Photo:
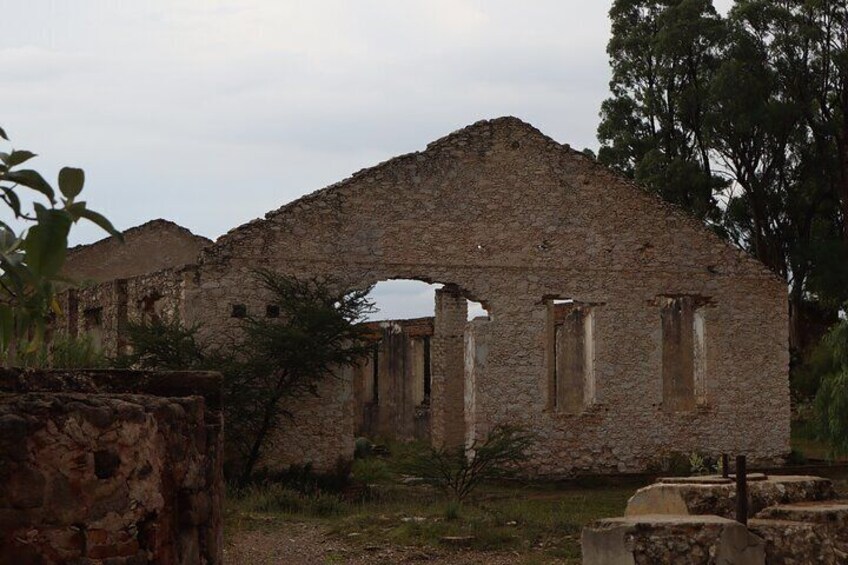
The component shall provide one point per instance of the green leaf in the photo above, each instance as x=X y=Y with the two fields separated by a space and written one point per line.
x=8 y=239
x=33 y=180
x=12 y=200
x=101 y=221
x=46 y=243
x=18 y=157
x=3 y=134
x=71 y=181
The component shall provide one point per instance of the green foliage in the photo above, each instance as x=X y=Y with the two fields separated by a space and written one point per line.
x=672 y=463
x=700 y=464
x=452 y=510
x=165 y=344
x=372 y=471
x=64 y=352
x=831 y=403
x=458 y=471
x=749 y=112
x=270 y=360
x=304 y=479
x=362 y=448
x=31 y=258
x=277 y=498
x=654 y=126
x=317 y=333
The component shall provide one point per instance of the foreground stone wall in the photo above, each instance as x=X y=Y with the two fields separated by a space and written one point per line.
x=110 y=467
x=506 y=216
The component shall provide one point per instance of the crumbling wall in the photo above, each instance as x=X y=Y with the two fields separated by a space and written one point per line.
x=103 y=310
x=150 y=247
x=113 y=467
x=512 y=218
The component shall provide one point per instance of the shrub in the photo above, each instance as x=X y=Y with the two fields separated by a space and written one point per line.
x=371 y=471
x=831 y=403
x=458 y=471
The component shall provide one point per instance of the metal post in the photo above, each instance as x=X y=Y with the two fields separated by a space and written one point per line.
x=725 y=466
x=741 y=491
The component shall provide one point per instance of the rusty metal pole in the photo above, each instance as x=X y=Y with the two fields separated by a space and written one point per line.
x=725 y=466
x=741 y=491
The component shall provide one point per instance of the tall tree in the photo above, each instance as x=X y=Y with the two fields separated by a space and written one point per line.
x=757 y=99
x=774 y=107
x=654 y=126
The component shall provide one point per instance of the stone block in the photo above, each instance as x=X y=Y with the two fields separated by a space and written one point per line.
x=654 y=539
x=707 y=496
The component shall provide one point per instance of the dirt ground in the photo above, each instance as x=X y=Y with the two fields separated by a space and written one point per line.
x=295 y=543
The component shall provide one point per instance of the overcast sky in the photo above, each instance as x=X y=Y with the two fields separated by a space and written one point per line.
x=210 y=113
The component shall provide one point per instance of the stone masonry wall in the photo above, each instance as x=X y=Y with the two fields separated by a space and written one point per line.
x=513 y=219
x=150 y=247
x=114 y=467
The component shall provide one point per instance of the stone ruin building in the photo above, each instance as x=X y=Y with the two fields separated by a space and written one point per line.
x=619 y=328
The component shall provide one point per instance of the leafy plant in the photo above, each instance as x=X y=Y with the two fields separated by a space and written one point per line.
x=316 y=334
x=831 y=403
x=164 y=344
x=31 y=257
x=458 y=471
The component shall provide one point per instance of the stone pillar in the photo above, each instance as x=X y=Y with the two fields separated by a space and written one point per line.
x=390 y=382
x=447 y=403
x=476 y=353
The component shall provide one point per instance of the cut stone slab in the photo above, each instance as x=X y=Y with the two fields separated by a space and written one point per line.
x=653 y=539
x=830 y=517
x=709 y=479
x=698 y=498
x=792 y=543
x=829 y=512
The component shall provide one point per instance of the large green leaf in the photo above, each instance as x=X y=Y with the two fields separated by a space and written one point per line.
x=12 y=200
x=101 y=221
x=3 y=134
x=71 y=181
x=33 y=180
x=46 y=243
x=18 y=157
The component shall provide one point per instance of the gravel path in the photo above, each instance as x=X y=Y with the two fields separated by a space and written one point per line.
x=307 y=544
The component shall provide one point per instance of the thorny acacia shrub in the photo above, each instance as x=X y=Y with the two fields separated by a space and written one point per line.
x=458 y=470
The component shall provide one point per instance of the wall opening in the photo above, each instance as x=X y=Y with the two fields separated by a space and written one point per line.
x=570 y=351
x=394 y=387
x=683 y=353
x=93 y=325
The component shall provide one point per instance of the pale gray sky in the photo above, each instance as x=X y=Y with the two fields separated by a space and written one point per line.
x=210 y=113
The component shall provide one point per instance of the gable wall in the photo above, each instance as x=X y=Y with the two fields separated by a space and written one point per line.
x=148 y=248
x=512 y=217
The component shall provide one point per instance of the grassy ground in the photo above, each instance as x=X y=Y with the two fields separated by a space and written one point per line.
x=499 y=523
x=536 y=523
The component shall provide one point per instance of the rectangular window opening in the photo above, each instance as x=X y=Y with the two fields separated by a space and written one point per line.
x=683 y=353
x=571 y=356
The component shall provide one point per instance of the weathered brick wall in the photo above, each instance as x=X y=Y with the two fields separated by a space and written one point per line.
x=113 y=467
x=513 y=218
